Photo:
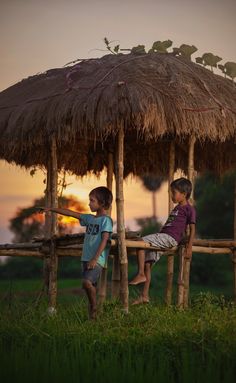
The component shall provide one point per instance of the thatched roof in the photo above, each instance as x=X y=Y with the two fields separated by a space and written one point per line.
x=157 y=97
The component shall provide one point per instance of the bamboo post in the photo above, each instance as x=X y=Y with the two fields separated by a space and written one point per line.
x=187 y=259
x=180 y=298
x=234 y=252
x=53 y=229
x=115 y=285
x=124 y=292
x=170 y=258
x=103 y=280
x=47 y=227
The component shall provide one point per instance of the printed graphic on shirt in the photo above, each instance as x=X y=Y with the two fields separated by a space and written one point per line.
x=171 y=217
x=92 y=229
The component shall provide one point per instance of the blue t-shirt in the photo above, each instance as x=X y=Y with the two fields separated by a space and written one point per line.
x=95 y=226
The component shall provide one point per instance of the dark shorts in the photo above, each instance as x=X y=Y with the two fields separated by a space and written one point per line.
x=92 y=275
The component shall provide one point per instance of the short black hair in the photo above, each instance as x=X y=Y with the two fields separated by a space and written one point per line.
x=103 y=195
x=183 y=185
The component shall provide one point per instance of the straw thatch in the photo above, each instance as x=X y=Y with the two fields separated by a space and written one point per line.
x=157 y=98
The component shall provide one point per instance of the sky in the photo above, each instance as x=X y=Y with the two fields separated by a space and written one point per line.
x=36 y=35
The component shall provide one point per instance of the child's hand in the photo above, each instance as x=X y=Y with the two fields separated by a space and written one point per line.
x=188 y=252
x=92 y=264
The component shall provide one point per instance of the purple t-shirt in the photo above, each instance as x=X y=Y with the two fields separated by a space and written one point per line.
x=179 y=218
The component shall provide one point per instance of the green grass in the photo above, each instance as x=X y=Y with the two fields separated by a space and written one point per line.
x=152 y=343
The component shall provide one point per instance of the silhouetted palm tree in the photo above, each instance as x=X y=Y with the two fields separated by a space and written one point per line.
x=153 y=184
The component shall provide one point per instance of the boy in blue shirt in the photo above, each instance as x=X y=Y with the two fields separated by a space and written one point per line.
x=96 y=242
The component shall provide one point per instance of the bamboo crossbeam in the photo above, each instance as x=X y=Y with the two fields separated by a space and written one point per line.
x=17 y=246
x=131 y=238
x=211 y=250
x=20 y=253
x=74 y=250
x=214 y=243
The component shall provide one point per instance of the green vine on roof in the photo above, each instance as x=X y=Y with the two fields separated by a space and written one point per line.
x=185 y=50
x=160 y=46
x=208 y=59
x=229 y=69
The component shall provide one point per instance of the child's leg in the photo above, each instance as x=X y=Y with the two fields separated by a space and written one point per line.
x=148 y=274
x=90 y=279
x=92 y=297
x=144 y=297
x=140 y=277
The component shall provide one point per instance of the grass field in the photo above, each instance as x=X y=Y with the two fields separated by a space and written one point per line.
x=152 y=343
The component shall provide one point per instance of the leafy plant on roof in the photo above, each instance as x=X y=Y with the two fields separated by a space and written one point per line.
x=208 y=59
x=139 y=49
x=229 y=69
x=160 y=46
x=185 y=51
x=114 y=50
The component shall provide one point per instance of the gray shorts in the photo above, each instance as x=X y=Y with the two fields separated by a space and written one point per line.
x=161 y=240
x=92 y=275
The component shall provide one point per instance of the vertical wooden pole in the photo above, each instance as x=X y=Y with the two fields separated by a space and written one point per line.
x=170 y=258
x=115 y=284
x=191 y=171
x=187 y=259
x=180 y=297
x=47 y=227
x=110 y=171
x=103 y=280
x=234 y=252
x=54 y=202
x=124 y=292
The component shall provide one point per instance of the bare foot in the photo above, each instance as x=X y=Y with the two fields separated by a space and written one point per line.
x=138 y=279
x=140 y=300
x=92 y=312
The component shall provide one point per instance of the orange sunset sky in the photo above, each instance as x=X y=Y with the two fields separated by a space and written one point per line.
x=36 y=35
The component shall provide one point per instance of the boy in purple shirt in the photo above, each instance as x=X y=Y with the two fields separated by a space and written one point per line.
x=170 y=235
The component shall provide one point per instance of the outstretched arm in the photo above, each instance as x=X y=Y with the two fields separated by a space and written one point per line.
x=67 y=212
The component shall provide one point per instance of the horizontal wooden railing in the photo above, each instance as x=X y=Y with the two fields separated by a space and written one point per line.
x=71 y=245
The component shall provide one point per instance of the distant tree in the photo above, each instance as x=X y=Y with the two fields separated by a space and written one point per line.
x=28 y=223
x=153 y=184
x=148 y=226
x=215 y=206
x=215 y=217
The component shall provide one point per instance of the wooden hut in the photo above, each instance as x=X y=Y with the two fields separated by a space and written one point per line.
x=140 y=114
